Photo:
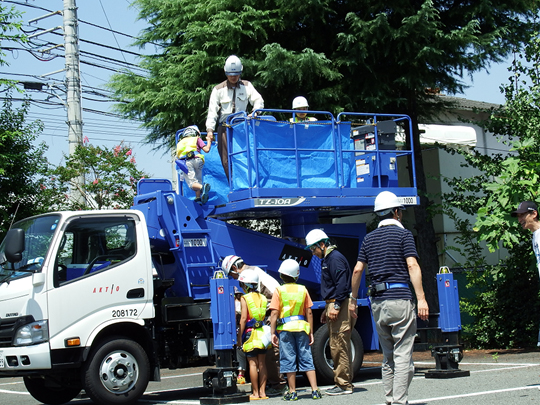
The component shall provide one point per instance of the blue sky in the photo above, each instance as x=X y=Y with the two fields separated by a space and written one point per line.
x=485 y=85
x=100 y=128
x=109 y=131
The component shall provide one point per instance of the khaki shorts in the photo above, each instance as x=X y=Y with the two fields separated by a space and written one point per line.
x=194 y=174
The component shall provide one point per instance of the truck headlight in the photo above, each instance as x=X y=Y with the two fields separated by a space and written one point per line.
x=31 y=334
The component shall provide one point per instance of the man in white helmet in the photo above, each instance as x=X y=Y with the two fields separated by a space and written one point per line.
x=335 y=290
x=233 y=265
x=229 y=97
x=391 y=255
x=301 y=104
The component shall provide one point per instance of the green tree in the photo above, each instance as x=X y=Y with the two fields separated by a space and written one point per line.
x=111 y=177
x=356 y=55
x=503 y=181
x=10 y=29
x=23 y=167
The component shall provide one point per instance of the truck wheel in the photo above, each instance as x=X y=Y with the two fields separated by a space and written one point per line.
x=51 y=394
x=323 y=359
x=117 y=372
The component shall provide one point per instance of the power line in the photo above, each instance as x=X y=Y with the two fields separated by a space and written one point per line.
x=103 y=45
x=108 y=22
x=82 y=21
x=27 y=5
x=112 y=60
x=90 y=54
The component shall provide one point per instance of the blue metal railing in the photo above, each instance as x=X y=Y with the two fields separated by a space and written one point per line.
x=342 y=149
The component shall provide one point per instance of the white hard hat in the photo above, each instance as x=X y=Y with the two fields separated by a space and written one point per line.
x=233 y=66
x=299 y=102
x=314 y=236
x=385 y=202
x=248 y=277
x=290 y=268
x=228 y=262
x=192 y=130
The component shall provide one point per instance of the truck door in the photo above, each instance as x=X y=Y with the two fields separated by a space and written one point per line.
x=101 y=275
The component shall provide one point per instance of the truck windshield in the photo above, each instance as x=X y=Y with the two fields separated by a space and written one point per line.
x=38 y=232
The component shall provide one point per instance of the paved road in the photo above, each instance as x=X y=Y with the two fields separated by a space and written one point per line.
x=496 y=379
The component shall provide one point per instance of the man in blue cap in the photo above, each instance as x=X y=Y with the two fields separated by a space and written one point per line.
x=527 y=215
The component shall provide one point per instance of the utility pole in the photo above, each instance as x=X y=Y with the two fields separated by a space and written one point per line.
x=74 y=91
x=72 y=83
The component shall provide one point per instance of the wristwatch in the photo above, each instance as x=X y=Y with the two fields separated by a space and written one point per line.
x=336 y=305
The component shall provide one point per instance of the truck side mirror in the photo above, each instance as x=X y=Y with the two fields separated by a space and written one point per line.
x=14 y=246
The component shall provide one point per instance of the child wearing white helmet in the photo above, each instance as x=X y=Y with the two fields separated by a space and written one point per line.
x=252 y=334
x=191 y=161
x=292 y=318
x=300 y=103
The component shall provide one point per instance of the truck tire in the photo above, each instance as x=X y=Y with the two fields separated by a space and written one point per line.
x=116 y=372
x=49 y=393
x=323 y=359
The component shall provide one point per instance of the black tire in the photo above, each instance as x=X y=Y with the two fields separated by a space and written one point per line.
x=122 y=384
x=324 y=366
x=49 y=392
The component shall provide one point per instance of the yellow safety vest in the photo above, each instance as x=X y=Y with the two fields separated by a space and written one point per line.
x=293 y=297
x=256 y=304
x=186 y=145
x=306 y=119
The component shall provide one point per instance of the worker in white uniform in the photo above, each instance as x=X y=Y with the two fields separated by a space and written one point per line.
x=229 y=97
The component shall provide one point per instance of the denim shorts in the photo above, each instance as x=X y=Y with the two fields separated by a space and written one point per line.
x=294 y=352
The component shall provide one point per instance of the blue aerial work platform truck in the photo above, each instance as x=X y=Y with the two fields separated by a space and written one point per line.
x=101 y=300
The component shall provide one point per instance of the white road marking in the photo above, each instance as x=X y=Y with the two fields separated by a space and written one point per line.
x=14 y=392
x=12 y=383
x=171 y=402
x=473 y=394
x=505 y=368
x=181 y=375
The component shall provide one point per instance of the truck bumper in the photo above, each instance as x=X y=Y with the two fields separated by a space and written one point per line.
x=24 y=360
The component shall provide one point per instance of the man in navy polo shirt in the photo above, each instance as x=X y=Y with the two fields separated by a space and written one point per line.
x=391 y=255
x=335 y=290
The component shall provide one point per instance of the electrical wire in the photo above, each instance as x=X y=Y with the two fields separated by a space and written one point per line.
x=108 y=22
x=107 y=131
x=91 y=55
x=79 y=20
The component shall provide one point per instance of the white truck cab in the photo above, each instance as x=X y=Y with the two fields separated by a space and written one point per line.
x=71 y=285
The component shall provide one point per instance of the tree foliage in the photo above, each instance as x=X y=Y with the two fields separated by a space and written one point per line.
x=23 y=168
x=110 y=177
x=10 y=29
x=511 y=286
x=349 y=55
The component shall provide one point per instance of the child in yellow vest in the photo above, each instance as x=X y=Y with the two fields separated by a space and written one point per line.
x=253 y=334
x=292 y=318
x=240 y=355
x=191 y=161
